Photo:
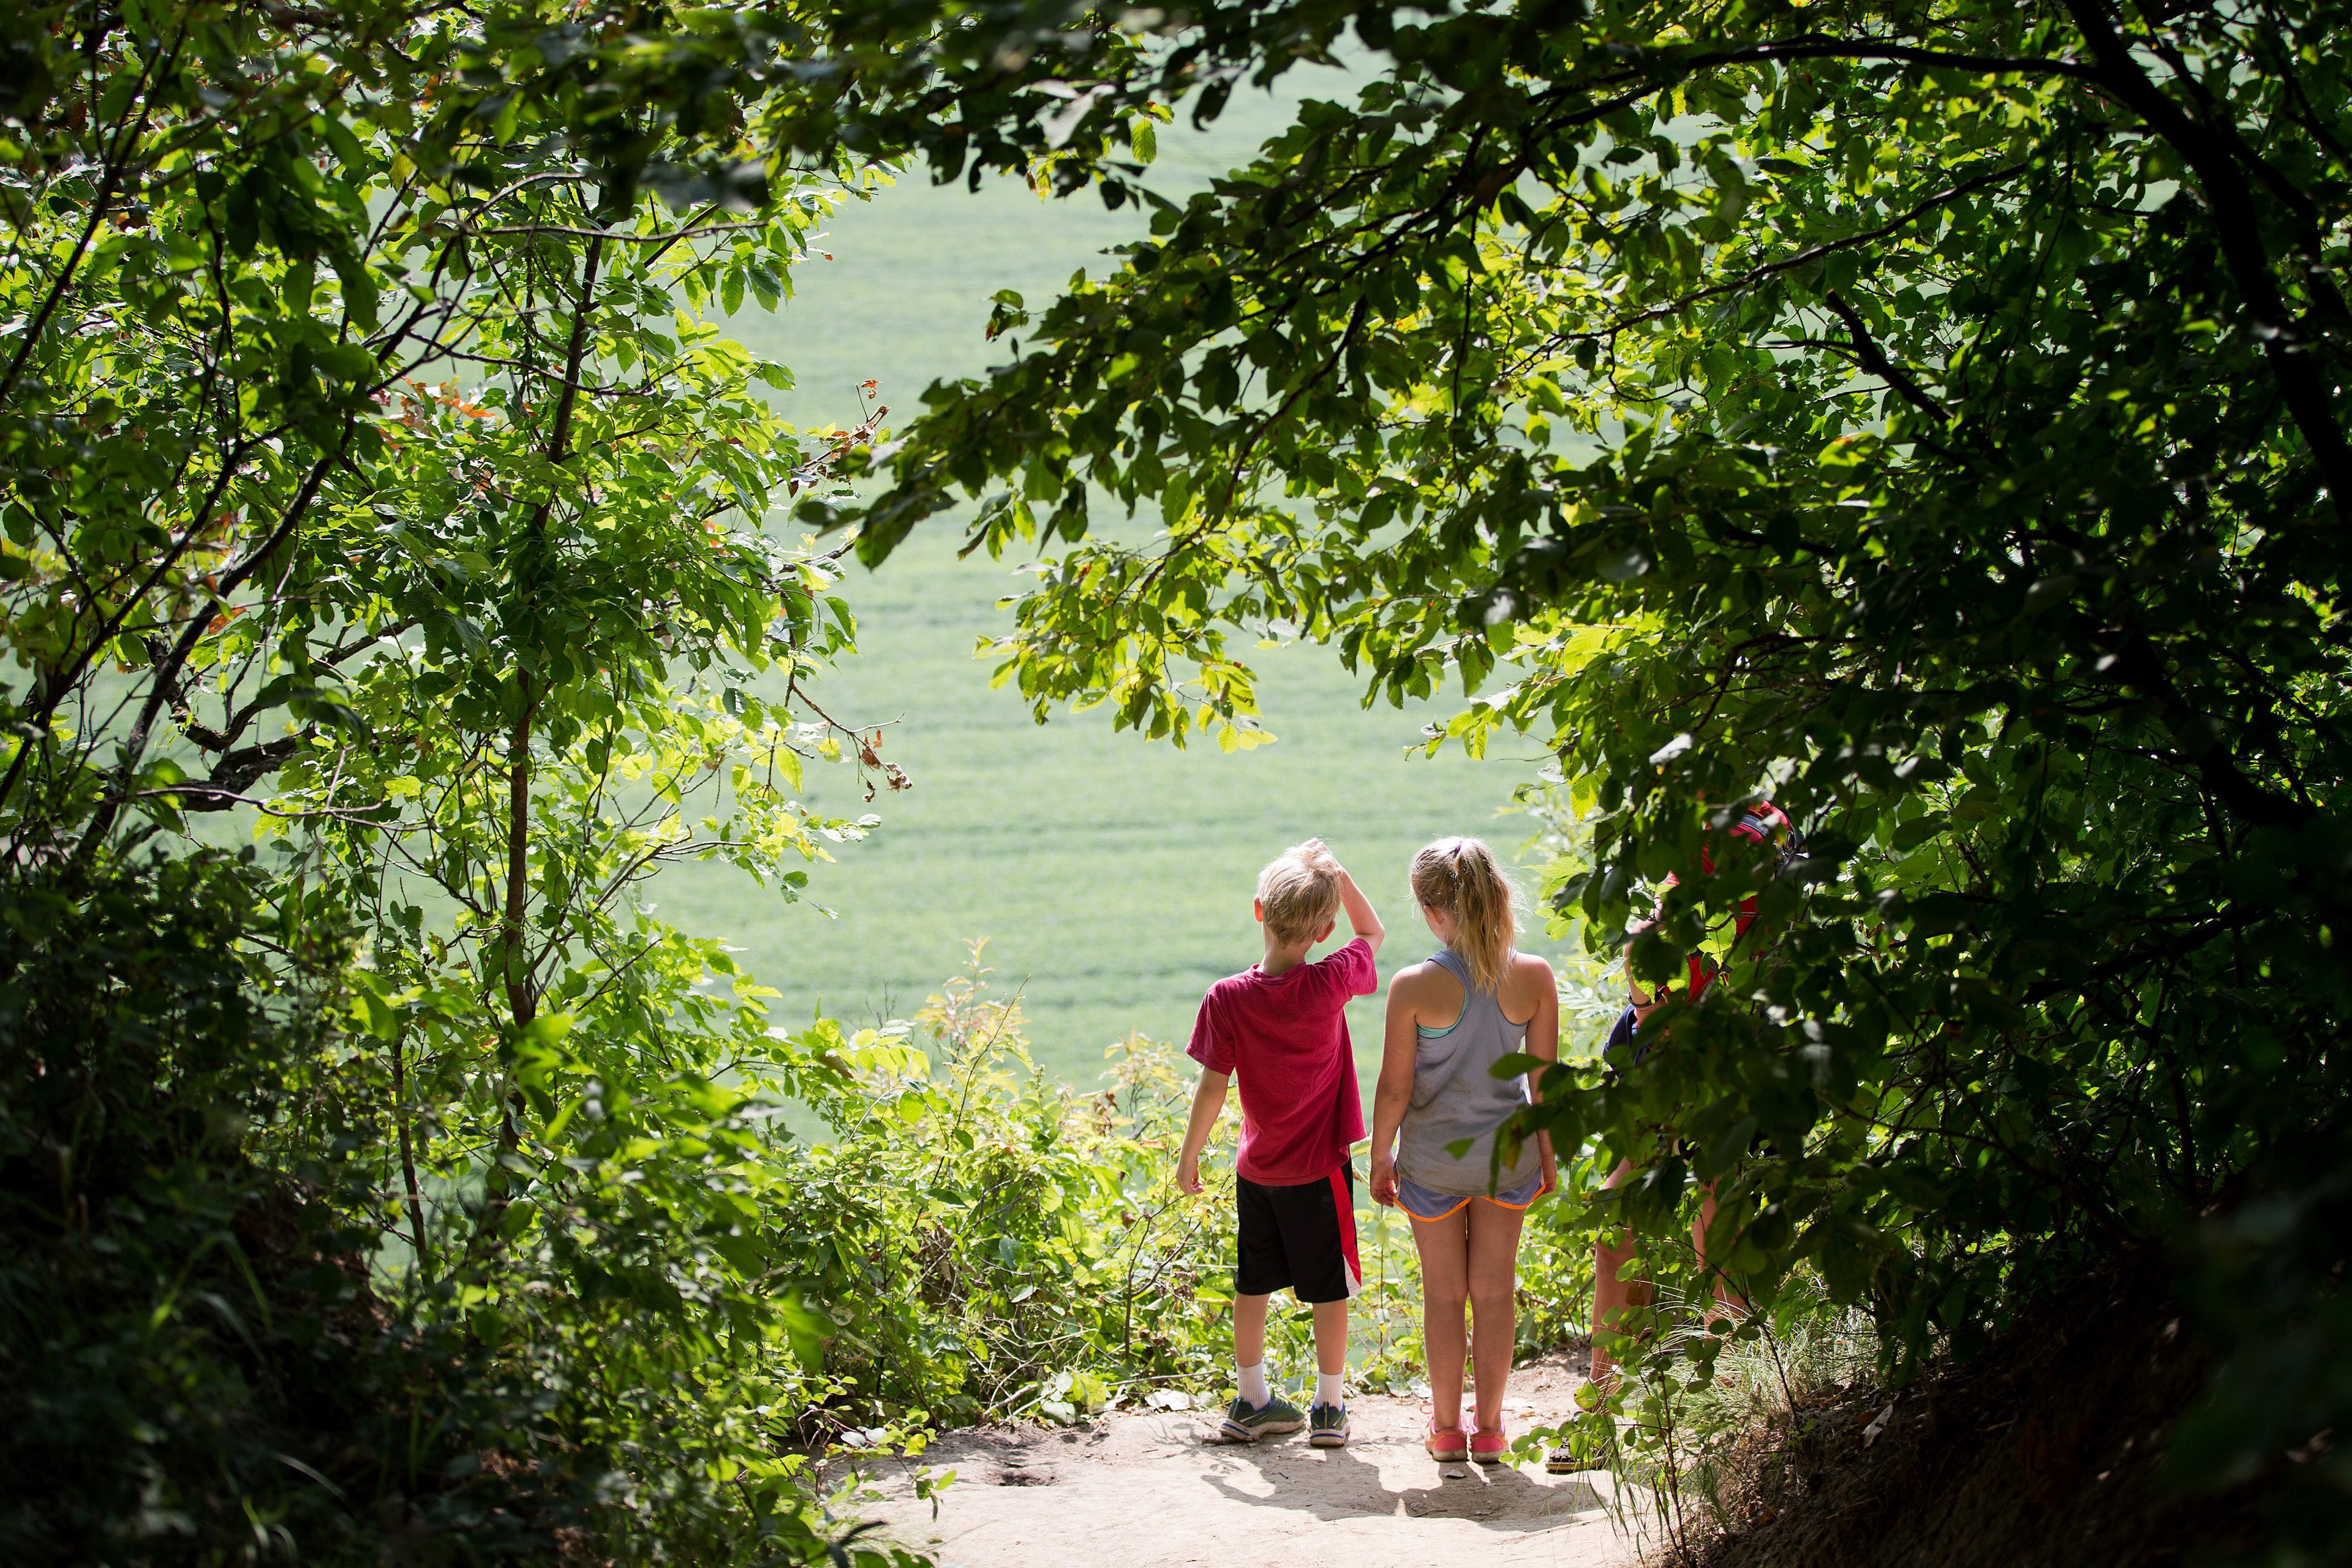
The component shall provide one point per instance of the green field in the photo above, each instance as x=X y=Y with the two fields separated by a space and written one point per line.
x=1112 y=876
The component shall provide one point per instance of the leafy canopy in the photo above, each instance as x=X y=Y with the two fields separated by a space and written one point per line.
x=1933 y=420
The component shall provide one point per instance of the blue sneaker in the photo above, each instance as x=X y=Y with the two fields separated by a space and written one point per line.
x=1327 y=1426
x=1245 y=1423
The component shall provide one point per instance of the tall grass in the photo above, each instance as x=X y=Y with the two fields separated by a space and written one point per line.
x=1708 y=1429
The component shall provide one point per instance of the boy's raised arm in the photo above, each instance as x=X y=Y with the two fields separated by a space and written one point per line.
x=1360 y=918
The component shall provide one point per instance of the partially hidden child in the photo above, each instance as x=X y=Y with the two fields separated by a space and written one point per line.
x=1278 y=1030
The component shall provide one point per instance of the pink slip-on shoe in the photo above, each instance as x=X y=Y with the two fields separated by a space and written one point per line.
x=1490 y=1445
x=1445 y=1443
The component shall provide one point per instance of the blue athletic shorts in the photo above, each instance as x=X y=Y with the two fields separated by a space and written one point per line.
x=1422 y=1203
x=1623 y=1050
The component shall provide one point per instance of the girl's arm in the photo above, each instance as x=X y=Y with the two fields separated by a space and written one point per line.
x=1208 y=1101
x=1400 y=1042
x=1543 y=1040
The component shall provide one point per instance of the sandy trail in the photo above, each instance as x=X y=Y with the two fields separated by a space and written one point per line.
x=1154 y=1490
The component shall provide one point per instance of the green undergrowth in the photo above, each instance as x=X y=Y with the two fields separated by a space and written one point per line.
x=1708 y=1394
x=203 y=1358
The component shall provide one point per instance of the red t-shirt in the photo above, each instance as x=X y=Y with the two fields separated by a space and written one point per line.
x=1285 y=1038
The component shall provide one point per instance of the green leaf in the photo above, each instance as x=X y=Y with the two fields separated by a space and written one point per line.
x=1516 y=1065
x=1910 y=834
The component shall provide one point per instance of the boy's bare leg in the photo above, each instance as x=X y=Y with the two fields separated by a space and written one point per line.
x=1612 y=1294
x=1331 y=1336
x=1249 y=1331
x=1494 y=1276
x=1445 y=1247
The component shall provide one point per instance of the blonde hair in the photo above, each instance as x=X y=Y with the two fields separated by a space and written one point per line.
x=1299 y=891
x=1461 y=877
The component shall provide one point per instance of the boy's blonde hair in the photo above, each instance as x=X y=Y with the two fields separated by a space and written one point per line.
x=1462 y=877
x=1299 y=891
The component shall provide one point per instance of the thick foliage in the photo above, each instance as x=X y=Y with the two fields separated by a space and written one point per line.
x=195 y=1365
x=1933 y=420
x=202 y=1362
x=464 y=656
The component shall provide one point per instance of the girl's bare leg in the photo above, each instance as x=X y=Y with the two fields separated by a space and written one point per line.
x=1445 y=1250
x=1612 y=1294
x=1723 y=1291
x=1494 y=1279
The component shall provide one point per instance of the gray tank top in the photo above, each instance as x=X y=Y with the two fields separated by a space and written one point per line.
x=1454 y=1098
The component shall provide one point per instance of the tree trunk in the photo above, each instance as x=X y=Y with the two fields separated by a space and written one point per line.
x=415 y=1198
x=522 y=1002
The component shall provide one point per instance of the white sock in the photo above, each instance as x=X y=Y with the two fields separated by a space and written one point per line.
x=1254 y=1390
x=1328 y=1390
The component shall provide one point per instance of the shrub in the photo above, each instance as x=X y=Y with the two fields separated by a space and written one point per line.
x=205 y=1357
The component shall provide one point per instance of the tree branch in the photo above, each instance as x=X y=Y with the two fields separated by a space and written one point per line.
x=2236 y=226
x=1873 y=359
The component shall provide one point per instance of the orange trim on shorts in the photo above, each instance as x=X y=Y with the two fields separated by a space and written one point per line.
x=1489 y=1197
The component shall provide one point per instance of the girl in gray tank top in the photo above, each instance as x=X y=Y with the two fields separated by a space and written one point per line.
x=1450 y=1020
x=1456 y=1096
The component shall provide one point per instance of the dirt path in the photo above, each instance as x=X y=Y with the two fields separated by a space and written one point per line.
x=1154 y=1490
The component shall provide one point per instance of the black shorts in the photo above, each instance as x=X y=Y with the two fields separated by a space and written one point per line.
x=1302 y=1236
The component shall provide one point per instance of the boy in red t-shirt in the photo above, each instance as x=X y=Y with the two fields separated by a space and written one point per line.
x=1281 y=1027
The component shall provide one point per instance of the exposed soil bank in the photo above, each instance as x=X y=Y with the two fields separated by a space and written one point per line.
x=2044 y=1450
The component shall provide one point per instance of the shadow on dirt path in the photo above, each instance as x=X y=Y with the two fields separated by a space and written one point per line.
x=1157 y=1490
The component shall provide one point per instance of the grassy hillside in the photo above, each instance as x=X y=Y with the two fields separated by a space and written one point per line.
x=1112 y=876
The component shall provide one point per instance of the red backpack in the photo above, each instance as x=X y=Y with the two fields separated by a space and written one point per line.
x=1761 y=823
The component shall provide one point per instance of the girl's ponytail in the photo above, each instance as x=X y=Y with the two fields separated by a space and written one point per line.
x=1462 y=877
